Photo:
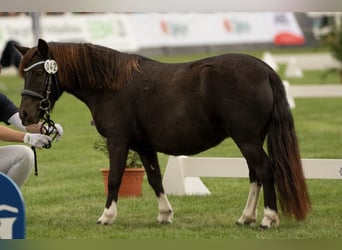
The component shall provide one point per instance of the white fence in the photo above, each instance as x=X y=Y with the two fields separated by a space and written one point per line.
x=315 y=90
x=296 y=63
x=311 y=61
x=182 y=173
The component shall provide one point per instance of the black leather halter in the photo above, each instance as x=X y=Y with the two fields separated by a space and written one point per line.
x=48 y=126
x=51 y=68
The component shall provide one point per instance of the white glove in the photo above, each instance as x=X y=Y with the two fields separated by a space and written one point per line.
x=37 y=140
x=58 y=130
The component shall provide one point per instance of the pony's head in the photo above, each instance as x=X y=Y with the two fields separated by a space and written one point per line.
x=80 y=66
x=41 y=89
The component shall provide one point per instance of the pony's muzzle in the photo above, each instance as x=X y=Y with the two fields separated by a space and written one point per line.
x=26 y=119
x=23 y=116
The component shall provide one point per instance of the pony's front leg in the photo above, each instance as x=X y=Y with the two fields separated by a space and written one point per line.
x=151 y=164
x=117 y=158
x=109 y=215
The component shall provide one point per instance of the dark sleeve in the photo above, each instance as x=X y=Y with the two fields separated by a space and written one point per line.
x=7 y=109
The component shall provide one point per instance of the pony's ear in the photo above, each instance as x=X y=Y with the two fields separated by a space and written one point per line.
x=43 y=48
x=22 y=50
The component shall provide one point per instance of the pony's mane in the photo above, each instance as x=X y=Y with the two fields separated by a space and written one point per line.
x=87 y=64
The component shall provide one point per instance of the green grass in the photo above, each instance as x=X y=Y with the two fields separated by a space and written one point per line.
x=67 y=197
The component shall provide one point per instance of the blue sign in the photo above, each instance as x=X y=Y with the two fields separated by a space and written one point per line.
x=12 y=210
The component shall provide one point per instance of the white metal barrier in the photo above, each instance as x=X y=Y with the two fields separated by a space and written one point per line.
x=182 y=173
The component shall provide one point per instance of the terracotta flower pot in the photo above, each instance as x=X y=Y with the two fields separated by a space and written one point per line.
x=131 y=184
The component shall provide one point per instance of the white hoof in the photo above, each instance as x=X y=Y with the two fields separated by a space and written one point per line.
x=165 y=210
x=165 y=217
x=109 y=215
x=246 y=220
x=270 y=219
x=249 y=214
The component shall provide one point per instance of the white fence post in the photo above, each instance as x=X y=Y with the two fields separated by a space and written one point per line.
x=175 y=181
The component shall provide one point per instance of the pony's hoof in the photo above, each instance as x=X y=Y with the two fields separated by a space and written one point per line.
x=165 y=222
x=246 y=223
x=99 y=222
x=270 y=219
x=274 y=224
x=109 y=215
x=165 y=217
x=103 y=220
x=264 y=227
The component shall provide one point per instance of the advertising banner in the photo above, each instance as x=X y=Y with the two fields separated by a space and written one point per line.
x=193 y=29
x=133 y=31
x=104 y=29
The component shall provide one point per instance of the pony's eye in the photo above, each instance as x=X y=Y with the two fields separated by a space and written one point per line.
x=39 y=72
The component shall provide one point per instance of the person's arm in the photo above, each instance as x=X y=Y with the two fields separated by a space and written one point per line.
x=35 y=139
x=16 y=121
x=11 y=135
x=33 y=128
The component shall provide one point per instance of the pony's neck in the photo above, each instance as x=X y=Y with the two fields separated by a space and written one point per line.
x=94 y=67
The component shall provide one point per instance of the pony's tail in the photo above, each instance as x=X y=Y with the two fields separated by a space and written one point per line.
x=284 y=153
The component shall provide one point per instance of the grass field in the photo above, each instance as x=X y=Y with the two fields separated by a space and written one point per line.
x=67 y=197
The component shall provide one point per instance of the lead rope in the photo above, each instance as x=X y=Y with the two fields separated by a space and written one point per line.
x=35 y=161
x=47 y=128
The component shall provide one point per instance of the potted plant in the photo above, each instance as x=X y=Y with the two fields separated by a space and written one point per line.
x=334 y=42
x=131 y=183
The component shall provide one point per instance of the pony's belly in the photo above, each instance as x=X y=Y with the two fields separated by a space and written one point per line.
x=188 y=145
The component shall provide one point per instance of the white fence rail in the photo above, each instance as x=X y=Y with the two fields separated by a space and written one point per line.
x=182 y=173
x=310 y=61
x=310 y=91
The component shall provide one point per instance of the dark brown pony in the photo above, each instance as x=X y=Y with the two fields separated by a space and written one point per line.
x=178 y=109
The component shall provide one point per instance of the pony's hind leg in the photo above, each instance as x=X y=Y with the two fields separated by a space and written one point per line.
x=271 y=217
x=249 y=214
x=259 y=163
x=154 y=178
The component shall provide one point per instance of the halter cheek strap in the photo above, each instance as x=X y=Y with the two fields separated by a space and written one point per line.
x=48 y=126
x=50 y=67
